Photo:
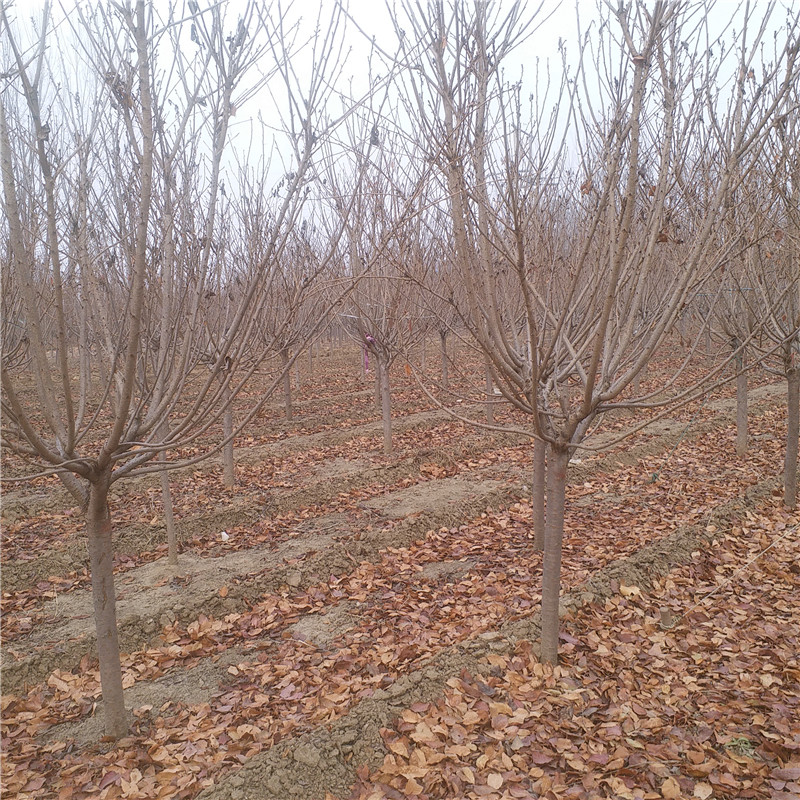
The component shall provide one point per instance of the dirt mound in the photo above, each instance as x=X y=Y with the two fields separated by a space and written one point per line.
x=326 y=547
x=429 y=496
x=321 y=629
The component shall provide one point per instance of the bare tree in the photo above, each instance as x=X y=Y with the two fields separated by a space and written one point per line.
x=774 y=272
x=382 y=241
x=600 y=202
x=127 y=275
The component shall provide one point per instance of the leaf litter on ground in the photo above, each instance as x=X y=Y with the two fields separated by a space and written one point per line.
x=286 y=686
x=690 y=689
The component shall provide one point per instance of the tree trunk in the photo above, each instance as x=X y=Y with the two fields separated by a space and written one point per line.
x=741 y=406
x=378 y=395
x=557 y=461
x=489 y=395
x=445 y=374
x=792 y=435
x=386 y=406
x=637 y=380
x=101 y=559
x=311 y=358
x=169 y=516
x=166 y=499
x=539 y=482
x=287 y=383
x=228 y=466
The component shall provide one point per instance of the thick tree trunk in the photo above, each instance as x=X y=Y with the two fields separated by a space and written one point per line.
x=792 y=435
x=378 y=395
x=539 y=483
x=557 y=460
x=386 y=406
x=741 y=406
x=101 y=559
x=287 y=383
x=445 y=373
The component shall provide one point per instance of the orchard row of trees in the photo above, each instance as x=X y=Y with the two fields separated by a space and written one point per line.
x=564 y=222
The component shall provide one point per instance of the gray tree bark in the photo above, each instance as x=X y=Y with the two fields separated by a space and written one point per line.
x=287 y=383
x=386 y=405
x=489 y=395
x=166 y=499
x=445 y=373
x=741 y=406
x=228 y=464
x=538 y=493
x=101 y=559
x=557 y=461
x=792 y=435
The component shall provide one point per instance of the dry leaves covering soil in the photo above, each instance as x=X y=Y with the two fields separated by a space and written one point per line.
x=673 y=692
x=394 y=613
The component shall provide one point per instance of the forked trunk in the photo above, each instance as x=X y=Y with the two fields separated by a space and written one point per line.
x=386 y=406
x=101 y=560
x=557 y=461
x=539 y=483
x=792 y=435
x=741 y=406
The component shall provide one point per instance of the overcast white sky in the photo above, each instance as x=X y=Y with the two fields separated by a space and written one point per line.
x=558 y=22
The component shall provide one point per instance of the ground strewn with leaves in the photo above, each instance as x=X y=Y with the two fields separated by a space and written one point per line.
x=274 y=658
x=688 y=689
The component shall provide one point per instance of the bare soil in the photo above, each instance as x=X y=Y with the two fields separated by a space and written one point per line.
x=314 y=552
